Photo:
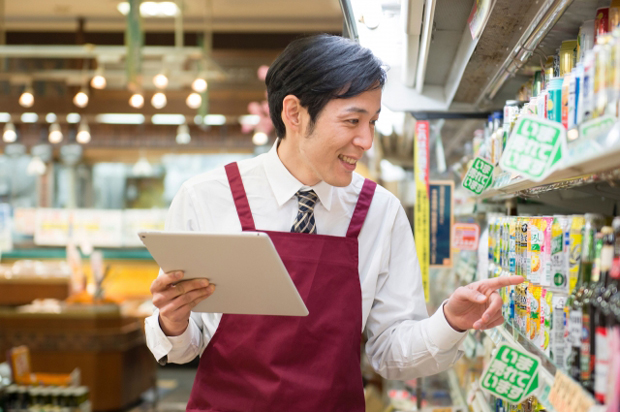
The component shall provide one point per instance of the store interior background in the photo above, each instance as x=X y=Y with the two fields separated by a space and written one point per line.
x=72 y=202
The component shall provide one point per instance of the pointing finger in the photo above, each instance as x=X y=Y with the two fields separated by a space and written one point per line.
x=472 y=295
x=501 y=282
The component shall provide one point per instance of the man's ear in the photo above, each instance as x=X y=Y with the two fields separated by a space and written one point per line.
x=292 y=113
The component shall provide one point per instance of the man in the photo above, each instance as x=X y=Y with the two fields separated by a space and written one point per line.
x=346 y=242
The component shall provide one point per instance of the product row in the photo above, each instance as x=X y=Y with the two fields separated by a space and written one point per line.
x=569 y=305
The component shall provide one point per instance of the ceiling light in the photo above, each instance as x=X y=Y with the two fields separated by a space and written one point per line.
x=199 y=85
x=9 y=135
x=260 y=138
x=159 y=100
x=29 y=117
x=27 y=98
x=5 y=117
x=55 y=135
x=98 y=82
x=151 y=9
x=183 y=136
x=168 y=119
x=193 y=101
x=81 y=98
x=51 y=117
x=142 y=167
x=36 y=167
x=215 y=119
x=160 y=81
x=83 y=134
x=73 y=118
x=198 y=119
x=249 y=119
x=136 y=101
x=120 y=118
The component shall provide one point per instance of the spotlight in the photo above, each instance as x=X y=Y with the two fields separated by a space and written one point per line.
x=83 y=134
x=193 y=101
x=160 y=81
x=136 y=101
x=260 y=138
x=27 y=98
x=98 y=82
x=159 y=100
x=9 y=136
x=81 y=98
x=183 y=136
x=55 y=135
x=199 y=85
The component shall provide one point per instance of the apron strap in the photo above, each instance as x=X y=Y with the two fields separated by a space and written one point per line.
x=361 y=208
x=240 y=198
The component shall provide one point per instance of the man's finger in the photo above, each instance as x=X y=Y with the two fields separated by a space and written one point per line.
x=497 y=320
x=501 y=282
x=195 y=297
x=494 y=309
x=472 y=295
x=162 y=282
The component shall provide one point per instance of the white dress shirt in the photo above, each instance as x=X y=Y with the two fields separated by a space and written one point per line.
x=403 y=342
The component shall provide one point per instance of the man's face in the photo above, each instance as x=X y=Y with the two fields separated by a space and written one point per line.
x=343 y=131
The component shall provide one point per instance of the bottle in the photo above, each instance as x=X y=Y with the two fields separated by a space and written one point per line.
x=574 y=302
x=588 y=315
x=602 y=292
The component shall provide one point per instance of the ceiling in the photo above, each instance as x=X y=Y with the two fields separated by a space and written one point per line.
x=227 y=15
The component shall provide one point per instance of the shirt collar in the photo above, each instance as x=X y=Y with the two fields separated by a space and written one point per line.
x=284 y=185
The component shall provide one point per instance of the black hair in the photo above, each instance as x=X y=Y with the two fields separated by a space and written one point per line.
x=318 y=69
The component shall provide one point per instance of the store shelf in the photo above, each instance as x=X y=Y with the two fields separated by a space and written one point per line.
x=591 y=157
x=506 y=333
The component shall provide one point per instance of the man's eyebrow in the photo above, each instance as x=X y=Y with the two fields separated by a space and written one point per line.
x=354 y=109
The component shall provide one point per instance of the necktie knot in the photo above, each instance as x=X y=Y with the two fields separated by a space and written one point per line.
x=304 y=222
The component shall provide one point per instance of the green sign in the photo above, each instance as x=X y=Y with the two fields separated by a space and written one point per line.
x=512 y=374
x=535 y=148
x=596 y=127
x=479 y=176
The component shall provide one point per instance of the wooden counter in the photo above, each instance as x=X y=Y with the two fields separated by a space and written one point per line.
x=109 y=349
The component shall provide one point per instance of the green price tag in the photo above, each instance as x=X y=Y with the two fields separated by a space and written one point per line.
x=596 y=127
x=535 y=148
x=512 y=374
x=479 y=176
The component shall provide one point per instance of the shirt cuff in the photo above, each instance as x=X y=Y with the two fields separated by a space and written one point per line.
x=441 y=333
x=156 y=339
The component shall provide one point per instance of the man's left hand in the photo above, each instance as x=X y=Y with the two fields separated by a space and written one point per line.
x=478 y=305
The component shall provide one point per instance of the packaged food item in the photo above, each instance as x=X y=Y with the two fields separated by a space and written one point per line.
x=568 y=52
x=559 y=330
x=541 y=110
x=536 y=240
x=577 y=116
x=585 y=39
x=512 y=252
x=559 y=256
x=601 y=23
x=546 y=309
x=588 y=86
x=576 y=240
x=545 y=251
x=534 y=293
x=554 y=103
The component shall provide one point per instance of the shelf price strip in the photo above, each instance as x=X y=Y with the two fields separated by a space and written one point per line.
x=479 y=176
x=512 y=374
x=535 y=149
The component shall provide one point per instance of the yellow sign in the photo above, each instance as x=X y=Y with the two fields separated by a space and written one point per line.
x=421 y=226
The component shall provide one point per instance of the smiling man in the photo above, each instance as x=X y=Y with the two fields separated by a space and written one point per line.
x=345 y=241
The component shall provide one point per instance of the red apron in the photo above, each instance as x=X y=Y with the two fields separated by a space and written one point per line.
x=279 y=363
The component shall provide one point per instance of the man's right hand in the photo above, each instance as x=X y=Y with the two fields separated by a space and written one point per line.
x=176 y=298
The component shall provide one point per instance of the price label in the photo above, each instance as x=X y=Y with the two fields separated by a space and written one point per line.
x=479 y=176
x=535 y=148
x=568 y=396
x=512 y=374
x=465 y=236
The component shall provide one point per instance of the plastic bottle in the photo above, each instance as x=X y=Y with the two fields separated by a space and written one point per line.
x=554 y=103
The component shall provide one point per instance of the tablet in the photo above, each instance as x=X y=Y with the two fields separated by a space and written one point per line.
x=248 y=273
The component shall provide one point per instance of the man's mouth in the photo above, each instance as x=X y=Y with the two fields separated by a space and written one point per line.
x=347 y=159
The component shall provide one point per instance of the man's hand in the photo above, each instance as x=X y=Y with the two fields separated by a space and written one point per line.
x=176 y=299
x=478 y=305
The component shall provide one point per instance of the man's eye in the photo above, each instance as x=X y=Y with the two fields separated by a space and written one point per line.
x=353 y=121
x=373 y=122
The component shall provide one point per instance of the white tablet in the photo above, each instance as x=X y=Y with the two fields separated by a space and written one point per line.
x=248 y=273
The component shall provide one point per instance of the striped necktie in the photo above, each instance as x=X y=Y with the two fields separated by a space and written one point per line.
x=304 y=222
